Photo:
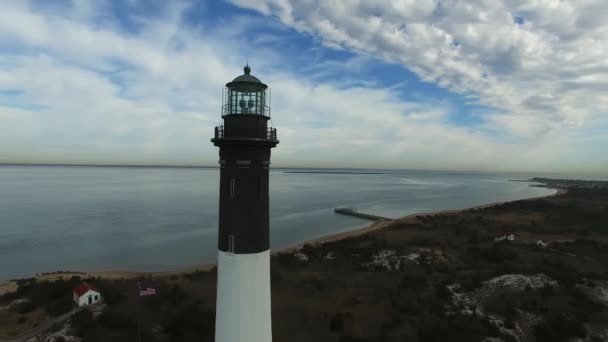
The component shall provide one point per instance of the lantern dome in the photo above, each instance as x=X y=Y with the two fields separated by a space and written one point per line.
x=245 y=78
x=246 y=94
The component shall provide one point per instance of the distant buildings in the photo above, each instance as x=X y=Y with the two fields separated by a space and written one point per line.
x=86 y=294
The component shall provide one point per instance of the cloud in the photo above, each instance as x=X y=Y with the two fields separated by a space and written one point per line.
x=85 y=87
x=550 y=63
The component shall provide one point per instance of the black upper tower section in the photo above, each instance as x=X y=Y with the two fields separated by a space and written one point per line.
x=245 y=140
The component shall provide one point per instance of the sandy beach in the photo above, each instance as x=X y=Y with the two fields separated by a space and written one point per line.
x=11 y=285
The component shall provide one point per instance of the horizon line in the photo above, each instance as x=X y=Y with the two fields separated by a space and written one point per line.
x=217 y=167
x=277 y=167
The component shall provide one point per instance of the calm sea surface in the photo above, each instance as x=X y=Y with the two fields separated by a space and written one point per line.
x=153 y=219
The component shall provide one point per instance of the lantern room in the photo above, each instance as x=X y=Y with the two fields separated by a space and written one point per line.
x=246 y=94
x=245 y=112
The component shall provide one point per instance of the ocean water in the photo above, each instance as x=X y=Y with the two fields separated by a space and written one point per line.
x=154 y=219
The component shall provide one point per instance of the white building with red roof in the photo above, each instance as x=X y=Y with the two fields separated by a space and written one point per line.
x=86 y=294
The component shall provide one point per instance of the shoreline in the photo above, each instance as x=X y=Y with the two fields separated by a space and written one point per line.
x=381 y=224
x=11 y=285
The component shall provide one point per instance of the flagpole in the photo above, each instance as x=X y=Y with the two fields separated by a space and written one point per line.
x=138 y=309
x=150 y=291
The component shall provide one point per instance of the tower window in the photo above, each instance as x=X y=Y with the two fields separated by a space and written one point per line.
x=231 y=243
x=232 y=188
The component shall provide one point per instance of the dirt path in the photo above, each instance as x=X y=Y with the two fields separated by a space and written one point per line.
x=42 y=328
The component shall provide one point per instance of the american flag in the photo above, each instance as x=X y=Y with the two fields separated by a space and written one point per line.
x=147 y=292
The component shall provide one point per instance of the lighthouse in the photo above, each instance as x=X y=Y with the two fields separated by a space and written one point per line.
x=243 y=266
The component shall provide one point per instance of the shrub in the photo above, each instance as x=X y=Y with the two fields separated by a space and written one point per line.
x=24 y=282
x=285 y=259
x=60 y=306
x=9 y=297
x=55 y=327
x=456 y=329
x=501 y=304
x=115 y=319
x=559 y=328
x=189 y=318
x=112 y=295
x=349 y=338
x=336 y=323
x=413 y=280
x=442 y=291
x=24 y=307
x=82 y=321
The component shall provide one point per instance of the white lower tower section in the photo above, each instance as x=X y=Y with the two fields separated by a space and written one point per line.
x=243 y=298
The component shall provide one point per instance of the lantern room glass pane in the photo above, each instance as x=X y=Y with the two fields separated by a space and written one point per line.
x=246 y=102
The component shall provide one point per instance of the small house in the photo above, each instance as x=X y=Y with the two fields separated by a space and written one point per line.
x=86 y=294
x=541 y=243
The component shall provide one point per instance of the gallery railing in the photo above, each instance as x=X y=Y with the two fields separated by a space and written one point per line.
x=271 y=133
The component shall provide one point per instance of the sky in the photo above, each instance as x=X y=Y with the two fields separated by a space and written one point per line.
x=445 y=85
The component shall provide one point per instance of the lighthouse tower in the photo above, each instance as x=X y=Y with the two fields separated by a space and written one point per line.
x=243 y=267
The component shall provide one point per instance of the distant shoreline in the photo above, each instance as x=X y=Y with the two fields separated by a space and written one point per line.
x=381 y=224
x=285 y=169
x=10 y=285
x=389 y=172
